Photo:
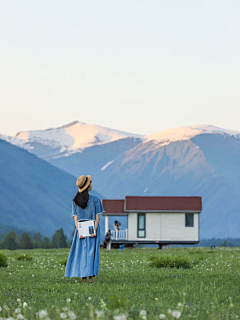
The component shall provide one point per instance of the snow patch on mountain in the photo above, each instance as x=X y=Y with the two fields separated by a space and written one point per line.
x=69 y=138
x=106 y=165
x=185 y=133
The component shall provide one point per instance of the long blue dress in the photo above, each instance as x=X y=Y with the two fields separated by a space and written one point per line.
x=84 y=256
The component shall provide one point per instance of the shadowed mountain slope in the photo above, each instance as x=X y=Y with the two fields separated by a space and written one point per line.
x=34 y=195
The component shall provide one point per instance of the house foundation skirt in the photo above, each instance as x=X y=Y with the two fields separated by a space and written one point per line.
x=84 y=256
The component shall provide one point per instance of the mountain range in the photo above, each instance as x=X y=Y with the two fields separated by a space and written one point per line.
x=34 y=195
x=200 y=160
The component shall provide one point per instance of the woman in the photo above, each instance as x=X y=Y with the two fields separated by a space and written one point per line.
x=84 y=256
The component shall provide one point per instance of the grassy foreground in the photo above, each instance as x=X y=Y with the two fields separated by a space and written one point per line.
x=126 y=288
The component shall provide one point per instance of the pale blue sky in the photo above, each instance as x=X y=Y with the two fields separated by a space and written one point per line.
x=135 y=65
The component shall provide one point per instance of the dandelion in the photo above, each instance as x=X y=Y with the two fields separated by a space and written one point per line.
x=68 y=300
x=63 y=315
x=18 y=300
x=72 y=315
x=162 y=316
x=143 y=313
x=32 y=275
x=75 y=293
x=176 y=314
x=89 y=298
x=10 y=273
x=42 y=314
x=99 y=313
x=17 y=310
x=156 y=299
x=120 y=317
x=169 y=311
x=65 y=308
x=20 y=316
x=25 y=304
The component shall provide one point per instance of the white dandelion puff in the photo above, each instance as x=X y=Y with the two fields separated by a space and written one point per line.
x=42 y=314
x=176 y=314
x=143 y=313
x=68 y=300
x=63 y=315
x=162 y=316
x=72 y=315
x=25 y=304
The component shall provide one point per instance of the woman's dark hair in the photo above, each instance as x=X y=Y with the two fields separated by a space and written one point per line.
x=81 y=198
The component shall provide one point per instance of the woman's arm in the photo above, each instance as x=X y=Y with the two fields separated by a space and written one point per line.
x=76 y=221
x=97 y=221
x=76 y=224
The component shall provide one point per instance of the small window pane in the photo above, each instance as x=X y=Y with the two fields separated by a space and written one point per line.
x=189 y=220
x=141 y=233
x=141 y=222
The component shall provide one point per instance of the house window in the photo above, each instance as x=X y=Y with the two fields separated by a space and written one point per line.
x=189 y=220
x=141 y=233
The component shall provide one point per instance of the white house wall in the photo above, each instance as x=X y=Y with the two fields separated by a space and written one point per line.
x=164 y=226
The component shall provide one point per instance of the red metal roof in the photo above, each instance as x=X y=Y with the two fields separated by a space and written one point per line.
x=163 y=204
x=154 y=204
x=112 y=207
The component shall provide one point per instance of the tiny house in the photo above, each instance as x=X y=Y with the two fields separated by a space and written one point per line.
x=155 y=220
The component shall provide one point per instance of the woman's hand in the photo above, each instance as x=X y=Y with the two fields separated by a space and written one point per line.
x=92 y=235
x=81 y=237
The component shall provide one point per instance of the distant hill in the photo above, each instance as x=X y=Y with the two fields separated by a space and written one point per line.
x=34 y=195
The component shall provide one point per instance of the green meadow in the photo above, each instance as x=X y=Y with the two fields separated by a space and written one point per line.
x=127 y=287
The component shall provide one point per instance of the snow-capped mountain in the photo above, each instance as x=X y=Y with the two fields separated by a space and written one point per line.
x=63 y=141
x=165 y=137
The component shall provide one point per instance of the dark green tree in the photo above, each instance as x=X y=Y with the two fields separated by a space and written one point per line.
x=26 y=242
x=37 y=240
x=9 y=241
x=59 y=240
x=46 y=244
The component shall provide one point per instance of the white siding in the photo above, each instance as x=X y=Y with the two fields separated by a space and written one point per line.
x=164 y=226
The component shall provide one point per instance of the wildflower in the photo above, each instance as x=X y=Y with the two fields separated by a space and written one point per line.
x=68 y=300
x=75 y=293
x=10 y=273
x=176 y=314
x=32 y=275
x=18 y=300
x=99 y=313
x=162 y=316
x=120 y=317
x=143 y=313
x=72 y=315
x=102 y=304
x=25 y=304
x=20 y=316
x=65 y=308
x=63 y=315
x=42 y=314
x=17 y=310
x=180 y=304
x=169 y=311
x=89 y=298
x=156 y=299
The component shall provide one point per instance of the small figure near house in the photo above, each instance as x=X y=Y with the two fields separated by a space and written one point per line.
x=108 y=240
x=116 y=225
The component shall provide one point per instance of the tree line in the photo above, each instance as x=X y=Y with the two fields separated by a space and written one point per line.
x=13 y=241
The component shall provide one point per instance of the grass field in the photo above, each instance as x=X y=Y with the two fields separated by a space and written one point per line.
x=126 y=288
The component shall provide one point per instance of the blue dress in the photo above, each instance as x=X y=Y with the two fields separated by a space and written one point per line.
x=84 y=256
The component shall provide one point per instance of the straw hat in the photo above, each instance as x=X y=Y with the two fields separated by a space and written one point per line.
x=83 y=182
